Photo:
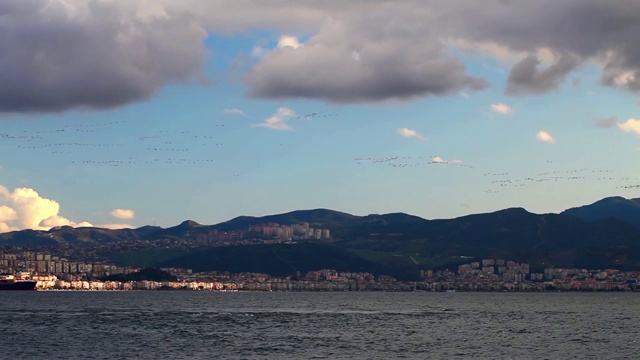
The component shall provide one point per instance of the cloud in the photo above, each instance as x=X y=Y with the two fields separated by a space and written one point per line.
x=502 y=109
x=526 y=77
x=631 y=125
x=24 y=208
x=438 y=159
x=343 y=46
x=116 y=226
x=288 y=41
x=278 y=120
x=260 y=52
x=60 y=55
x=406 y=132
x=607 y=122
x=57 y=220
x=364 y=56
x=576 y=32
x=7 y=214
x=123 y=214
x=234 y=111
x=545 y=137
x=88 y=54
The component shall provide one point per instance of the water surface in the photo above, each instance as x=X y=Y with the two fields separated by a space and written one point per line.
x=332 y=325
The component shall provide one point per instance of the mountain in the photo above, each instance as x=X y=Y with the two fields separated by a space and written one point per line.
x=70 y=235
x=609 y=208
x=514 y=234
x=188 y=229
x=276 y=259
x=601 y=235
x=321 y=218
x=400 y=244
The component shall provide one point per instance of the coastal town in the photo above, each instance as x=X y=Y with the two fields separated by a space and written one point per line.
x=58 y=273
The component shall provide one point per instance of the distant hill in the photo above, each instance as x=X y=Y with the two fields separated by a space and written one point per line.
x=515 y=234
x=609 y=208
x=275 y=259
x=70 y=235
x=605 y=234
x=316 y=218
x=144 y=274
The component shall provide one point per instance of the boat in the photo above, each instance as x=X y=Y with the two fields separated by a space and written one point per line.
x=9 y=282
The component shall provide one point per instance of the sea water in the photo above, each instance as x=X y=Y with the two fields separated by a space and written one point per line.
x=322 y=325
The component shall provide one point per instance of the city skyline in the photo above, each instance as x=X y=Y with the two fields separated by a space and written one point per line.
x=150 y=112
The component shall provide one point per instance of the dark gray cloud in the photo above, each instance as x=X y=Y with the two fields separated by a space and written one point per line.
x=578 y=31
x=57 y=55
x=527 y=77
x=385 y=54
x=405 y=58
x=607 y=122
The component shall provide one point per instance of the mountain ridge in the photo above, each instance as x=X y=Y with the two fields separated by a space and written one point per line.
x=397 y=241
x=611 y=207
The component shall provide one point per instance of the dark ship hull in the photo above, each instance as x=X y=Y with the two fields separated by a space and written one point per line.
x=19 y=285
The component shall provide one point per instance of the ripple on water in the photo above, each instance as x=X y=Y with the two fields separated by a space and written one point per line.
x=196 y=325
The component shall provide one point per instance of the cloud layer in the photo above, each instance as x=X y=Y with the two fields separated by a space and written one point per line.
x=60 y=55
x=574 y=32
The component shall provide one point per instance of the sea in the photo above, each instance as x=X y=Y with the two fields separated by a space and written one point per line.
x=318 y=325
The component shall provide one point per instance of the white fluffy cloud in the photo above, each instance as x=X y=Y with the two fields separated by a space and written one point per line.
x=545 y=137
x=7 y=214
x=441 y=160
x=502 y=109
x=406 y=132
x=123 y=214
x=234 y=111
x=57 y=220
x=631 y=125
x=24 y=208
x=289 y=41
x=278 y=120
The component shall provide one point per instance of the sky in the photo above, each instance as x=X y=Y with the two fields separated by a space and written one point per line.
x=125 y=113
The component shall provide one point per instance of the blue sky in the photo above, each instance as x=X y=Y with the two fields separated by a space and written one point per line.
x=155 y=112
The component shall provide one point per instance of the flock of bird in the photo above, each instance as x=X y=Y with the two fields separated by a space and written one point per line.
x=501 y=181
x=159 y=147
x=173 y=147
x=419 y=161
x=85 y=144
x=314 y=115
